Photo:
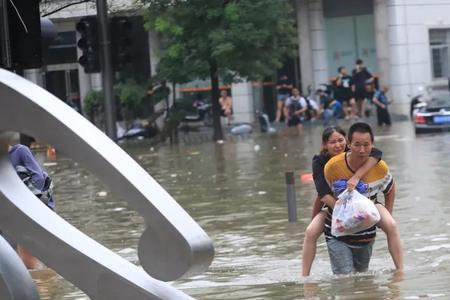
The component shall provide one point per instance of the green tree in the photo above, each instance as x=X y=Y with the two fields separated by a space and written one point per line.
x=229 y=39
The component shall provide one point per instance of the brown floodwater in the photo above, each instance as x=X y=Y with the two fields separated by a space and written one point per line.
x=236 y=192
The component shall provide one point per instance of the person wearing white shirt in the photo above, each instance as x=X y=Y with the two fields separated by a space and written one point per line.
x=295 y=109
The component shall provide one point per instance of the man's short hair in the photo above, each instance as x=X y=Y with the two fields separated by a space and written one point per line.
x=359 y=61
x=340 y=68
x=360 y=127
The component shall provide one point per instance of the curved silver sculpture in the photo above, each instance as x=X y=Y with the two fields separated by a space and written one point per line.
x=15 y=280
x=172 y=245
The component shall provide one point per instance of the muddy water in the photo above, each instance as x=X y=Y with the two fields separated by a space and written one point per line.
x=236 y=192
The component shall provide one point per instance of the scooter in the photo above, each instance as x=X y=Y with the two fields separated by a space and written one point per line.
x=204 y=113
x=264 y=123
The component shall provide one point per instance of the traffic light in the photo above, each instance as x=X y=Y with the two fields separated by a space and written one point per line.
x=88 y=43
x=121 y=41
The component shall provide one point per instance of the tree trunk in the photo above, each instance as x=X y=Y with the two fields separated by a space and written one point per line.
x=215 y=93
x=174 y=105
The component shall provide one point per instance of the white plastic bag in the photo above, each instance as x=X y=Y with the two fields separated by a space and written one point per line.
x=353 y=213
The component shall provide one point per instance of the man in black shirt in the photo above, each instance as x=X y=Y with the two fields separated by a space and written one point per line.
x=343 y=92
x=284 y=87
x=360 y=76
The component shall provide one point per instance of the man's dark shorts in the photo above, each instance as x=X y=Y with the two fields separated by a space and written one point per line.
x=222 y=113
x=345 y=100
x=360 y=95
x=282 y=97
x=294 y=121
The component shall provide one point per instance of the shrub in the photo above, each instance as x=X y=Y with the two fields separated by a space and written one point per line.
x=130 y=94
x=93 y=103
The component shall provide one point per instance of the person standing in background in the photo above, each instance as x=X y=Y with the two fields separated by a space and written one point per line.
x=360 y=76
x=381 y=102
x=343 y=92
x=284 y=87
x=226 y=106
x=36 y=180
x=295 y=109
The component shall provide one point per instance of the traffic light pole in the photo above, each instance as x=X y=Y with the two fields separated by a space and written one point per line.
x=106 y=69
x=5 y=51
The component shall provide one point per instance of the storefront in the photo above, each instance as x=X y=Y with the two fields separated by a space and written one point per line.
x=405 y=42
x=349 y=33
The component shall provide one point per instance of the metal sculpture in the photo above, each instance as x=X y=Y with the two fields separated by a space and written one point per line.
x=15 y=280
x=171 y=246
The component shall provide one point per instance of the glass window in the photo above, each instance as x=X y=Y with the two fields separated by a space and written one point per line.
x=440 y=52
x=63 y=49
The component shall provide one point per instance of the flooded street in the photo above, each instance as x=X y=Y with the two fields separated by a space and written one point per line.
x=236 y=191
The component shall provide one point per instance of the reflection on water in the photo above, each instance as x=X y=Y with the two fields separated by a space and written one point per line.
x=236 y=192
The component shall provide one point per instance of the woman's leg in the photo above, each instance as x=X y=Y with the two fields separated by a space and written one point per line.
x=299 y=128
x=353 y=107
x=229 y=117
x=317 y=207
x=312 y=233
x=389 y=226
x=280 y=112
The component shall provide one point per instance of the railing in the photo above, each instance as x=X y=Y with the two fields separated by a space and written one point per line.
x=172 y=245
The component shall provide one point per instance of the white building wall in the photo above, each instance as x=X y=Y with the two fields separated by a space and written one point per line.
x=35 y=76
x=409 y=22
x=153 y=47
x=242 y=96
x=318 y=42
x=312 y=43
x=304 y=45
x=382 y=40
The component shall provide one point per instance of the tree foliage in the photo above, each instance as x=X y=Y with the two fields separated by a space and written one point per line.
x=230 y=39
x=245 y=38
x=93 y=102
x=130 y=94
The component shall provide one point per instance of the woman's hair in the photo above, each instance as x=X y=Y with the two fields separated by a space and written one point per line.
x=327 y=132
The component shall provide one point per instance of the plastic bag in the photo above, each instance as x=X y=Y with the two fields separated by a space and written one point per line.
x=353 y=213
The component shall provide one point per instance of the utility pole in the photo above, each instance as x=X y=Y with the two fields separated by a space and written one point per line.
x=106 y=69
x=5 y=50
x=6 y=55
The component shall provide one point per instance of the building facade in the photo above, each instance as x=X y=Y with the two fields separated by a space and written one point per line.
x=63 y=76
x=404 y=42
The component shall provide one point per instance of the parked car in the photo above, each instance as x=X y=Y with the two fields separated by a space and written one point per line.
x=432 y=113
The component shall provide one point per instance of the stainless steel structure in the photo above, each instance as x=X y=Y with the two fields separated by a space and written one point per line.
x=172 y=245
x=15 y=280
